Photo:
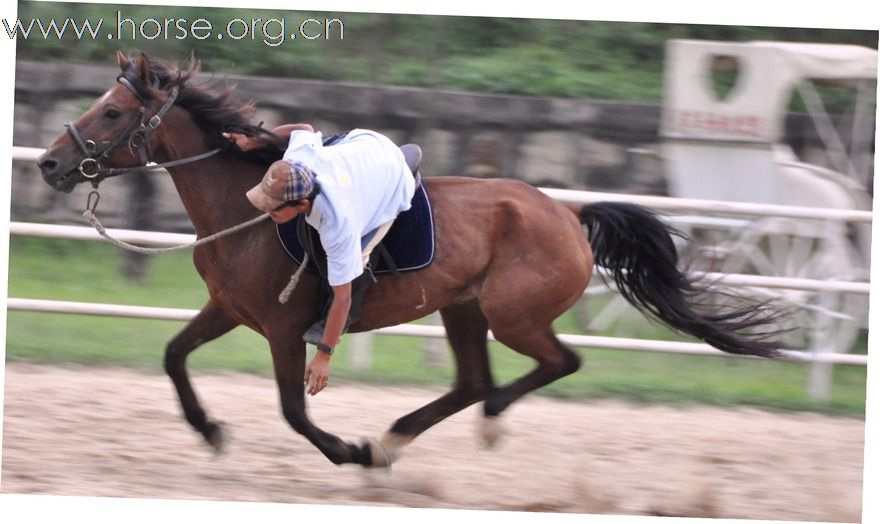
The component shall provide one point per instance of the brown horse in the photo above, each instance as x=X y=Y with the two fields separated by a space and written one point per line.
x=508 y=258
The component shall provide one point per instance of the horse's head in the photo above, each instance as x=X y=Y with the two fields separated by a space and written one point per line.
x=113 y=133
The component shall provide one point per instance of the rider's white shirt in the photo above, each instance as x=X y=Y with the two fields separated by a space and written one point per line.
x=364 y=182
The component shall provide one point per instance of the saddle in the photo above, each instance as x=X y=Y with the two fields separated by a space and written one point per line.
x=413 y=156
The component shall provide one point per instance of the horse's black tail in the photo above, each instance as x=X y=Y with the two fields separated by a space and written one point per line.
x=636 y=247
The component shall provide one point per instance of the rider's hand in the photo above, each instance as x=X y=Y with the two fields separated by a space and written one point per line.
x=244 y=142
x=317 y=373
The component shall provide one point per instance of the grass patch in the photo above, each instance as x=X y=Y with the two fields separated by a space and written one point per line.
x=90 y=272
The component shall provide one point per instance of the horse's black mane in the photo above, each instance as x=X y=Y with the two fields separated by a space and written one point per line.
x=213 y=113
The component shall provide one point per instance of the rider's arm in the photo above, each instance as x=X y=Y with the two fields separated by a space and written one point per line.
x=249 y=143
x=337 y=315
x=283 y=132
x=318 y=371
x=343 y=266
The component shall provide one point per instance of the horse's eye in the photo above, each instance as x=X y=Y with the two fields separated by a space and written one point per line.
x=112 y=114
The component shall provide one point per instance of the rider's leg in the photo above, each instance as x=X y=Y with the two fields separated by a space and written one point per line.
x=358 y=286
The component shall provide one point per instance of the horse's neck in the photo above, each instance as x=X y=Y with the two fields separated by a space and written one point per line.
x=213 y=192
x=213 y=189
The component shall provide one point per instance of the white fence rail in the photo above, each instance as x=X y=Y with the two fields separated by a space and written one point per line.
x=714 y=207
x=818 y=358
x=26 y=153
x=422 y=331
x=583 y=341
x=167 y=239
x=655 y=202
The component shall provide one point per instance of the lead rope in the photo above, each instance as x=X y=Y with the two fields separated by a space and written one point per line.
x=89 y=215
x=294 y=280
x=93 y=220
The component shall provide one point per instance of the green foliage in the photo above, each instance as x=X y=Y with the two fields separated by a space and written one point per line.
x=565 y=58
x=88 y=272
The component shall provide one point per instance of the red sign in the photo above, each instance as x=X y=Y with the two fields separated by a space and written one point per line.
x=709 y=123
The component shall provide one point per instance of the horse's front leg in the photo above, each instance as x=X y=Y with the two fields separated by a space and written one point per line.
x=210 y=323
x=289 y=357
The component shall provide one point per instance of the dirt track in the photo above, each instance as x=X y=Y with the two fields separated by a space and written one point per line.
x=113 y=432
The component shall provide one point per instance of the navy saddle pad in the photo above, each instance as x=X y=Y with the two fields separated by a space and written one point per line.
x=410 y=241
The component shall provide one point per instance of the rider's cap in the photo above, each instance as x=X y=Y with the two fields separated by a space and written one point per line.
x=283 y=182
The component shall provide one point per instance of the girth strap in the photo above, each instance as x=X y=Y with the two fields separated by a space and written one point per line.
x=307 y=236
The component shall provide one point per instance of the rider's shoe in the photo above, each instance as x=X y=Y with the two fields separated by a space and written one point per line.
x=314 y=334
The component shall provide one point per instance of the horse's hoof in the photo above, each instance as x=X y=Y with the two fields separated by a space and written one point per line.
x=213 y=434
x=491 y=430
x=380 y=457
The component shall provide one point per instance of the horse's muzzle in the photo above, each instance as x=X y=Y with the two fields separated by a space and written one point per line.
x=57 y=174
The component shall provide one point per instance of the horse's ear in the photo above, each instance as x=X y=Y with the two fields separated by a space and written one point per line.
x=194 y=63
x=122 y=60
x=143 y=69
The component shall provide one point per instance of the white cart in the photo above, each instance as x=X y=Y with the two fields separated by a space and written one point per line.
x=722 y=129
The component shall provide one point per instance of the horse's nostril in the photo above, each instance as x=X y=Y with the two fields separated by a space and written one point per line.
x=47 y=165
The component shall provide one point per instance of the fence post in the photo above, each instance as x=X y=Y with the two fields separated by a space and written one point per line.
x=821 y=376
x=360 y=353
x=436 y=355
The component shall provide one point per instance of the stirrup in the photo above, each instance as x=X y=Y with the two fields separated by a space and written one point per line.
x=314 y=334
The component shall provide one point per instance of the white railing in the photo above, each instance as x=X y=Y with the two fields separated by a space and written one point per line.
x=423 y=331
x=26 y=153
x=655 y=202
x=691 y=205
x=820 y=358
x=165 y=239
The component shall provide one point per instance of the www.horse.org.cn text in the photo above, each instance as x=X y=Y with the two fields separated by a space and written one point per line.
x=272 y=32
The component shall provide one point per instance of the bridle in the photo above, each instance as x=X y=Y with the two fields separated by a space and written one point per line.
x=136 y=134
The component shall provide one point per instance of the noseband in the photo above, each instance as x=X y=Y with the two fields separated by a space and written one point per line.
x=136 y=134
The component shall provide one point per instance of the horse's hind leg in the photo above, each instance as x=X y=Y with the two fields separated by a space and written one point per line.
x=467 y=330
x=210 y=323
x=554 y=359
x=538 y=273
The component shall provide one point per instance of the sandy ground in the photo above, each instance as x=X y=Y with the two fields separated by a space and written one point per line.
x=114 y=432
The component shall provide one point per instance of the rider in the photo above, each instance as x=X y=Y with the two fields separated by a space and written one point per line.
x=350 y=192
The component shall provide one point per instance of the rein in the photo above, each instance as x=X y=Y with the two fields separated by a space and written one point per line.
x=89 y=215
